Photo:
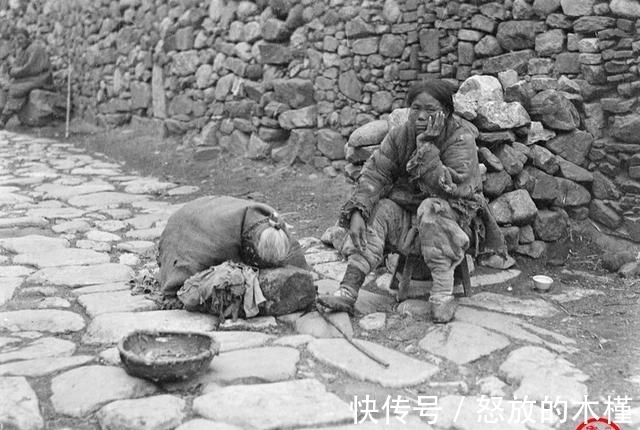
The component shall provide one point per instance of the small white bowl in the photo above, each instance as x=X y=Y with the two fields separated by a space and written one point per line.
x=542 y=282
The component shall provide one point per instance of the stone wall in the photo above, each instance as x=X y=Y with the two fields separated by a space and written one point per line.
x=291 y=80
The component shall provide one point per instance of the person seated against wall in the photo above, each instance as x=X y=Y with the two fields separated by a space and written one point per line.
x=31 y=69
x=425 y=174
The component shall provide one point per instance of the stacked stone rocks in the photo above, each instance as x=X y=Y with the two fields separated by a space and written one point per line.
x=289 y=81
x=536 y=158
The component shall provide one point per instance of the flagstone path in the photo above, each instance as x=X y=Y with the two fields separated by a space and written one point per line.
x=75 y=229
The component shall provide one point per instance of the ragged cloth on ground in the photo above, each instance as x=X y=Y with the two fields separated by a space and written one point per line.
x=248 y=235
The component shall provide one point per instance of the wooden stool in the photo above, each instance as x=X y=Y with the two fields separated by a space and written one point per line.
x=406 y=267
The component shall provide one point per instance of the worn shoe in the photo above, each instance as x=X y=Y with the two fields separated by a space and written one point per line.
x=443 y=309
x=342 y=300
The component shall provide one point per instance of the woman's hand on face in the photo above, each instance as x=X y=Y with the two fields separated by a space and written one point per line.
x=357 y=230
x=434 y=126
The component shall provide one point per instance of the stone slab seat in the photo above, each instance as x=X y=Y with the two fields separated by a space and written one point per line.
x=42 y=107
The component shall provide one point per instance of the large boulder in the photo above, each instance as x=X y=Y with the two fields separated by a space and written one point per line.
x=398 y=117
x=42 y=107
x=515 y=207
x=554 y=110
x=287 y=289
x=474 y=92
x=369 y=134
x=498 y=115
x=626 y=8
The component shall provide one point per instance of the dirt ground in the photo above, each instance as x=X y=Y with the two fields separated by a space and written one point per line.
x=605 y=326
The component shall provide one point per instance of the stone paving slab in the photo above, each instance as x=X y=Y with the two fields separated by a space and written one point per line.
x=12 y=199
x=511 y=304
x=115 y=301
x=255 y=323
x=266 y=364
x=147 y=186
x=333 y=270
x=39 y=348
x=515 y=328
x=462 y=342
x=33 y=244
x=23 y=222
x=19 y=406
x=102 y=236
x=15 y=271
x=63 y=257
x=8 y=286
x=403 y=370
x=43 y=366
x=55 y=191
x=232 y=340
x=183 y=190
x=53 y=302
x=111 y=225
x=56 y=213
x=137 y=246
x=494 y=278
x=291 y=404
x=202 y=424
x=8 y=341
x=49 y=320
x=145 y=234
x=369 y=302
x=151 y=413
x=80 y=276
x=542 y=373
x=72 y=226
x=294 y=340
x=105 y=199
x=101 y=288
x=80 y=391
x=111 y=327
x=313 y=324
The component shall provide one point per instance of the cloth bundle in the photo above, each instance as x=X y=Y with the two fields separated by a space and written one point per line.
x=221 y=290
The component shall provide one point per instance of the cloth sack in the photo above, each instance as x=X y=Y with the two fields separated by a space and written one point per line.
x=207 y=232
x=221 y=290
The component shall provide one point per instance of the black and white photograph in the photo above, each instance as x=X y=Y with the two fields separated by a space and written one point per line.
x=319 y=214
